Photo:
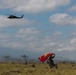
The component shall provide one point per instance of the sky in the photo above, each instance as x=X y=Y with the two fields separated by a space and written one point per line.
x=47 y=26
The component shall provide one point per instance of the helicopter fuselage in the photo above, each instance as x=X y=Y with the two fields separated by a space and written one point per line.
x=14 y=17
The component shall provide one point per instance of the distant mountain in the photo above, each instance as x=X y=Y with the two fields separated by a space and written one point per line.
x=15 y=52
x=62 y=59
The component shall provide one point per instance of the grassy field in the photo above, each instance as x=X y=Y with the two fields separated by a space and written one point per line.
x=39 y=69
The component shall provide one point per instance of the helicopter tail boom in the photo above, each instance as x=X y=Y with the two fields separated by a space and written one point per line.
x=22 y=16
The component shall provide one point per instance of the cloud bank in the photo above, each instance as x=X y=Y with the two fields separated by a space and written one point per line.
x=33 y=6
x=27 y=39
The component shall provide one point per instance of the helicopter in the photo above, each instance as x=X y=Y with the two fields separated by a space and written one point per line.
x=14 y=17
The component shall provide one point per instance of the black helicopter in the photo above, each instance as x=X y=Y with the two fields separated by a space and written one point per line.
x=14 y=17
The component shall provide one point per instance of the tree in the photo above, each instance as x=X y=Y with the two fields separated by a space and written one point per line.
x=25 y=59
x=6 y=58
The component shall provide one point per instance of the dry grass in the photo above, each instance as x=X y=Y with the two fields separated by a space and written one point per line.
x=39 y=69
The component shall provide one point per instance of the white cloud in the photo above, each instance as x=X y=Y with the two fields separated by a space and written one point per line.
x=4 y=36
x=73 y=8
x=57 y=33
x=24 y=38
x=62 y=19
x=73 y=41
x=33 y=6
x=29 y=41
x=4 y=22
x=27 y=33
x=69 y=44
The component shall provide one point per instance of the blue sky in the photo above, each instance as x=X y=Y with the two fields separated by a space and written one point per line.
x=47 y=26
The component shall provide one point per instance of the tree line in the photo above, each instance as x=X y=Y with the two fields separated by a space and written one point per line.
x=22 y=59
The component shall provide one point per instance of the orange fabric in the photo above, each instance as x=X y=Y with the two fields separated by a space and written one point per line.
x=44 y=57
